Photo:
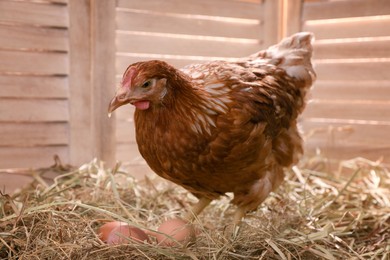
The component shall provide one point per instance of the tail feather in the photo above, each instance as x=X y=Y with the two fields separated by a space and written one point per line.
x=293 y=54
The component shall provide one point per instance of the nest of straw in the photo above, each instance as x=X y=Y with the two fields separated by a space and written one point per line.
x=313 y=215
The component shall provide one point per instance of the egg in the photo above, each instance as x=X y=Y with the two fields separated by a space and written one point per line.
x=122 y=233
x=180 y=230
x=105 y=230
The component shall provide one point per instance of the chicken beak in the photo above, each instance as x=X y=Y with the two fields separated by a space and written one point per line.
x=115 y=103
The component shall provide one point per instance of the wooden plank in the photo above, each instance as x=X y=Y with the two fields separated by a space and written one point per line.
x=160 y=23
x=220 y=8
x=128 y=152
x=13 y=179
x=293 y=18
x=122 y=62
x=346 y=110
x=30 y=110
x=91 y=132
x=346 y=8
x=346 y=28
x=352 y=70
x=125 y=131
x=34 y=13
x=33 y=62
x=12 y=86
x=179 y=46
x=23 y=37
x=336 y=152
x=80 y=82
x=272 y=30
x=351 y=90
x=132 y=160
x=33 y=134
x=9 y=183
x=346 y=134
x=138 y=171
x=375 y=48
x=21 y=157
x=103 y=39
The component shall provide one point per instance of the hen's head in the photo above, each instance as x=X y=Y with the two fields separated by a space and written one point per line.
x=143 y=84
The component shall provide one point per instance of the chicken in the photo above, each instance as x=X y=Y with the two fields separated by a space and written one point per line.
x=222 y=126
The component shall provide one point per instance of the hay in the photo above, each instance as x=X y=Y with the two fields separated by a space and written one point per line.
x=313 y=215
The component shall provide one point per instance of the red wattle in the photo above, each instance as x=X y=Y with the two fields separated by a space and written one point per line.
x=142 y=105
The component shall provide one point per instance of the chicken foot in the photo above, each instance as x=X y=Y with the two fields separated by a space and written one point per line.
x=197 y=209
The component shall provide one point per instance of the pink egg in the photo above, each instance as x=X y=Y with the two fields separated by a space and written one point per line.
x=180 y=230
x=105 y=230
x=121 y=235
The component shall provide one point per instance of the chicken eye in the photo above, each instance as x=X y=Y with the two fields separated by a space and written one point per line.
x=146 y=84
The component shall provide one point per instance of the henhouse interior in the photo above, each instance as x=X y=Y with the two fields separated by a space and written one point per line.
x=288 y=144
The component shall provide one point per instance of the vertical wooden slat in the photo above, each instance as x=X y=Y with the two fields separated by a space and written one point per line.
x=272 y=24
x=292 y=17
x=91 y=79
x=80 y=82
x=103 y=72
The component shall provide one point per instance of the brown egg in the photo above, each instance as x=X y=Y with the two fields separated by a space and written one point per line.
x=180 y=230
x=105 y=230
x=121 y=235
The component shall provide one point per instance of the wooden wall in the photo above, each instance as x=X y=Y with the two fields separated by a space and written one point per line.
x=349 y=114
x=61 y=59
x=34 y=93
x=56 y=76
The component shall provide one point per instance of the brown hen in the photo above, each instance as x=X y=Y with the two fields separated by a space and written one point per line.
x=222 y=126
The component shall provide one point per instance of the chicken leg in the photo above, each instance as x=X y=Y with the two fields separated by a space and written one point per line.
x=197 y=209
x=238 y=216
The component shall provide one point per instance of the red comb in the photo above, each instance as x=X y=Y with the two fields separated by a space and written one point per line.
x=130 y=74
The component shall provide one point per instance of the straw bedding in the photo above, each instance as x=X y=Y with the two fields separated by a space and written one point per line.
x=314 y=215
